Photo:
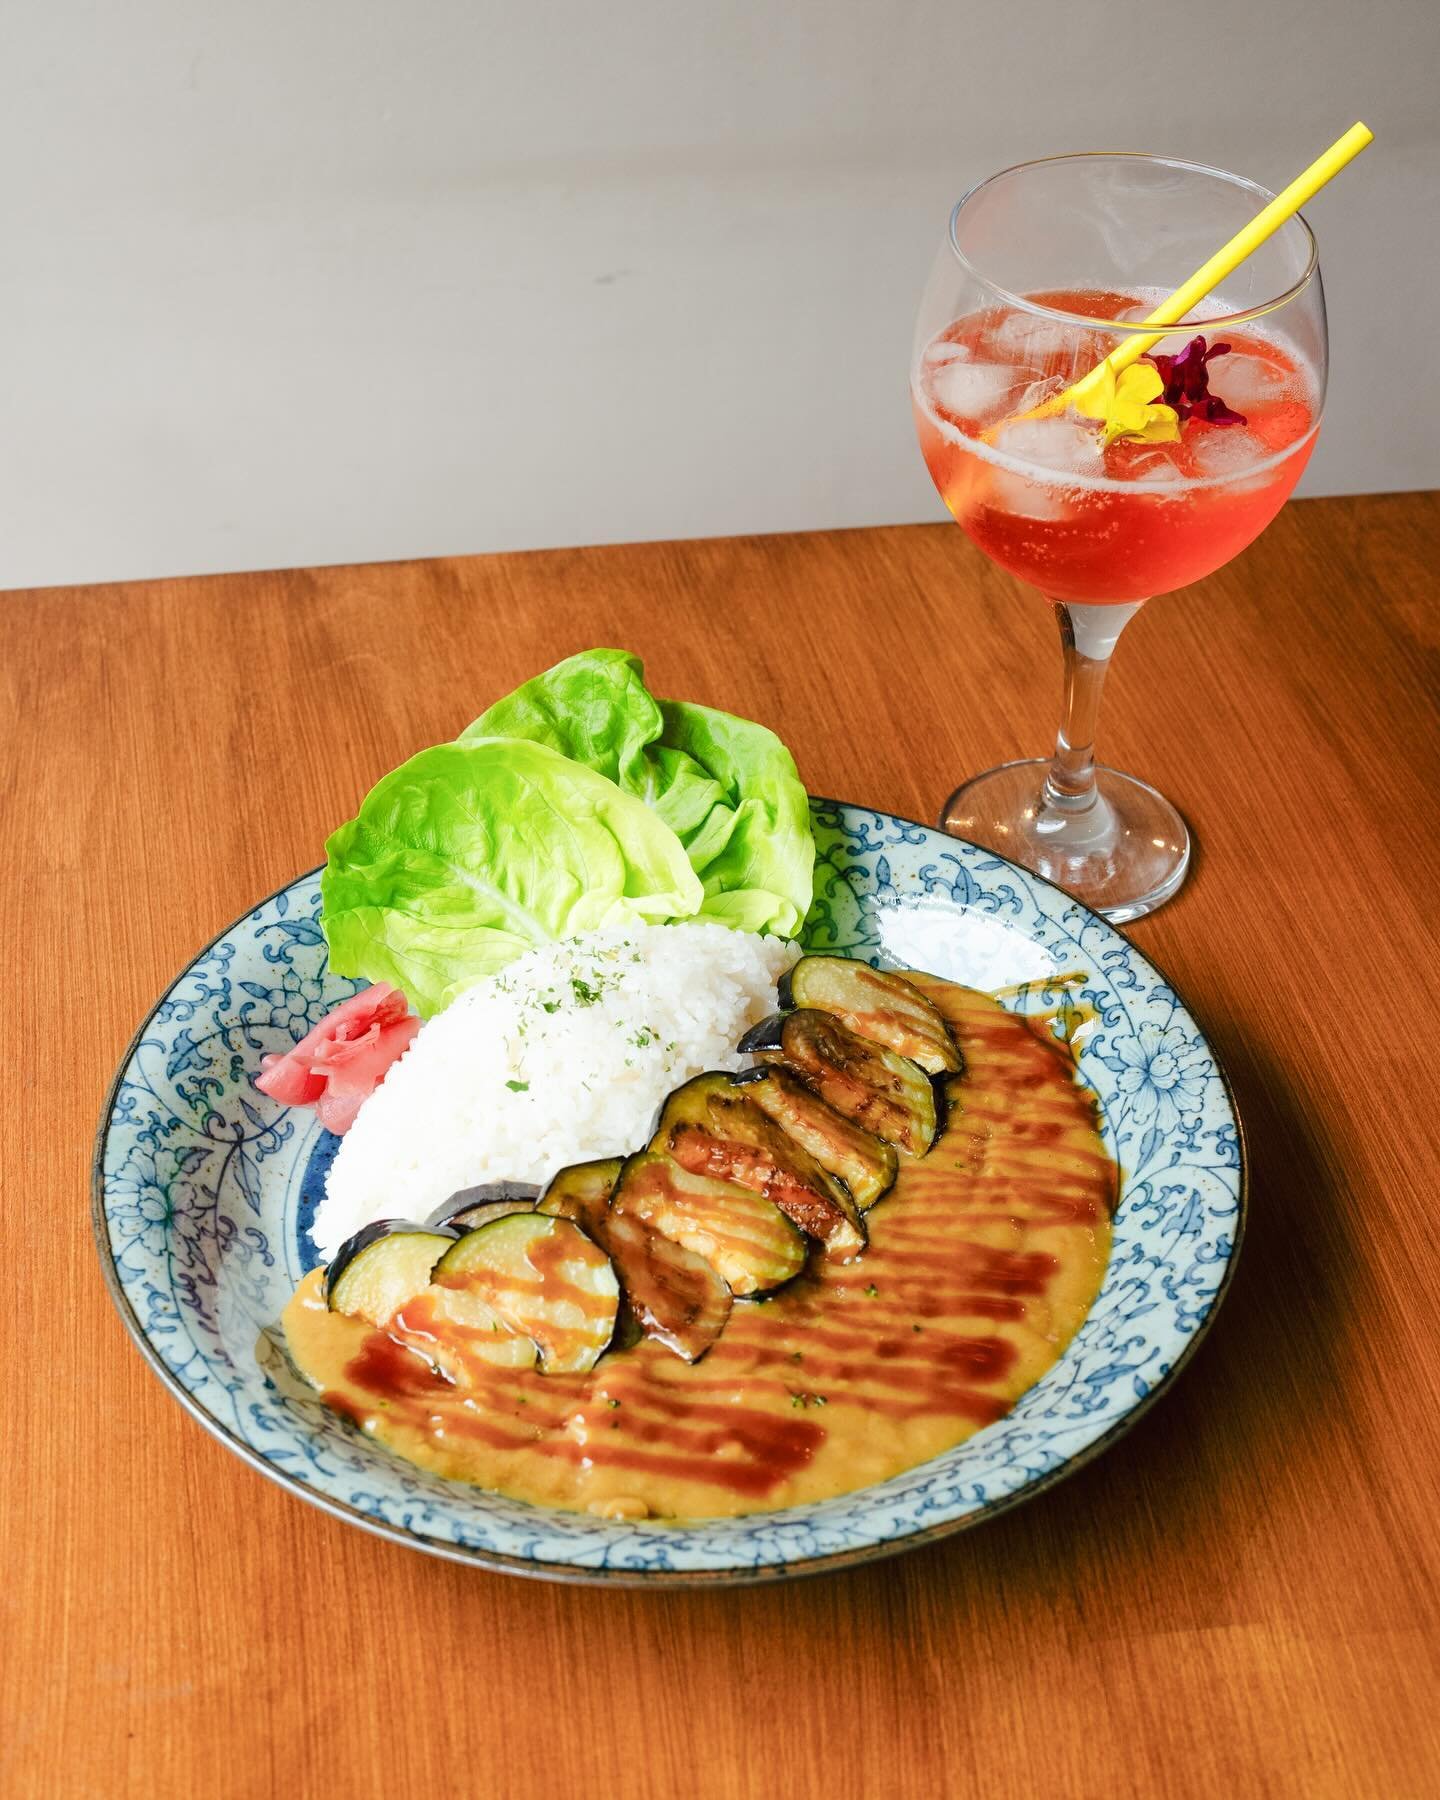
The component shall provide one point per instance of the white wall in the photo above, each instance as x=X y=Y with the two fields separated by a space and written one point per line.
x=302 y=281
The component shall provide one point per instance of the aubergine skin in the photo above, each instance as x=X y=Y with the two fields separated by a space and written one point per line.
x=581 y=1193
x=475 y=1206
x=383 y=1267
x=877 y=1005
x=765 y=1038
x=489 y=1193
x=372 y=1234
x=884 y=1092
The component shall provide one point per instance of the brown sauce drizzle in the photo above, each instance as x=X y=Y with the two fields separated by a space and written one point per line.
x=726 y=1159
x=549 y=1256
x=932 y=1333
x=389 y=1370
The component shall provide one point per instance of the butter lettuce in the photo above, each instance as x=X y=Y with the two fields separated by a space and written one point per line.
x=578 y=801
x=726 y=787
x=753 y=850
x=471 y=853
x=593 y=708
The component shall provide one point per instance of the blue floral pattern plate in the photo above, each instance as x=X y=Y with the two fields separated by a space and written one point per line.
x=204 y=1189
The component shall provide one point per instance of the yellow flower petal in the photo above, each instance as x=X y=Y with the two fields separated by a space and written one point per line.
x=1139 y=383
x=1130 y=407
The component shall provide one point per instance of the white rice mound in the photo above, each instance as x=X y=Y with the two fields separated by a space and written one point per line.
x=563 y=1056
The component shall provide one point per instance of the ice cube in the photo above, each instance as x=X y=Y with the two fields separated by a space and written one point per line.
x=1038 y=393
x=1244 y=381
x=1050 y=454
x=976 y=391
x=1058 y=443
x=1029 y=338
x=943 y=351
x=1155 y=464
x=1223 y=452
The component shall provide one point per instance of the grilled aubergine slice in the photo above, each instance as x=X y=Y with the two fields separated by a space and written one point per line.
x=544 y=1278
x=674 y=1295
x=745 y=1238
x=581 y=1193
x=477 y=1333
x=473 y=1206
x=710 y=1127
x=382 y=1266
x=885 y=1008
x=668 y=1292
x=379 y=1271
x=865 y=1163
x=881 y=1091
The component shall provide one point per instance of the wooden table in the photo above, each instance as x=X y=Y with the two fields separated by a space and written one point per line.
x=1239 y=1598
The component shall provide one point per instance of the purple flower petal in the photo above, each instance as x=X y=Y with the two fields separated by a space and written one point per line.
x=1187 y=384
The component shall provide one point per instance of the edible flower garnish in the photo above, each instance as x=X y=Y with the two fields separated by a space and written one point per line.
x=1128 y=406
x=1186 y=381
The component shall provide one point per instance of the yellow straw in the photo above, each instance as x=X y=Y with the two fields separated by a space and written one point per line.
x=1209 y=275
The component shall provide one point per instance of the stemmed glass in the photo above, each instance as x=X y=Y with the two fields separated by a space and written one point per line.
x=1044 y=270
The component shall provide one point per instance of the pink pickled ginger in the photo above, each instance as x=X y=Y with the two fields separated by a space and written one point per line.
x=337 y=1067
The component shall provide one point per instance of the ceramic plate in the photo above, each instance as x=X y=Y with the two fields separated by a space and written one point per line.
x=204 y=1190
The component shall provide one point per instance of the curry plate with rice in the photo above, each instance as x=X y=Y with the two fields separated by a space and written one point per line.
x=624 y=1253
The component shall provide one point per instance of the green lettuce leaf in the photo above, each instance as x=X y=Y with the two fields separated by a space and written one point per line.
x=471 y=853
x=726 y=787
x=593 y=708
x=754 y=851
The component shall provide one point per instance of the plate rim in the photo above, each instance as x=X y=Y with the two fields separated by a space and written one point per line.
x=754 y=1575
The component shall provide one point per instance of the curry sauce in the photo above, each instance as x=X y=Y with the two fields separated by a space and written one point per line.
x=983 y=1261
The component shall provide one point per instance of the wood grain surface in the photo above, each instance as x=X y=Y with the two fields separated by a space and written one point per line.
x=1238 y=1598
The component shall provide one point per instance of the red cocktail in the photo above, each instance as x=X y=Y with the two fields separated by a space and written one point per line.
x=1104 y=461
x=1044 y=499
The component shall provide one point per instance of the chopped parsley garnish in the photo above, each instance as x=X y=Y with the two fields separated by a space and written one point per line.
x=871 y=1289
x=585 y=993
x=518 y=1087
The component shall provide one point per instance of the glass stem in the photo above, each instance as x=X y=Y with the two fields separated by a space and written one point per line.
x=1088 y=635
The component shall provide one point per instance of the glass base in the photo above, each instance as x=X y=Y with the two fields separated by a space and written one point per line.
x=1123 y=855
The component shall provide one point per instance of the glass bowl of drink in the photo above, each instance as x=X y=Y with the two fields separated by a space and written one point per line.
x=1046 y=270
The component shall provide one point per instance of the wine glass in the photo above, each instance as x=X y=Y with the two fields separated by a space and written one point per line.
x=1045 y=270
